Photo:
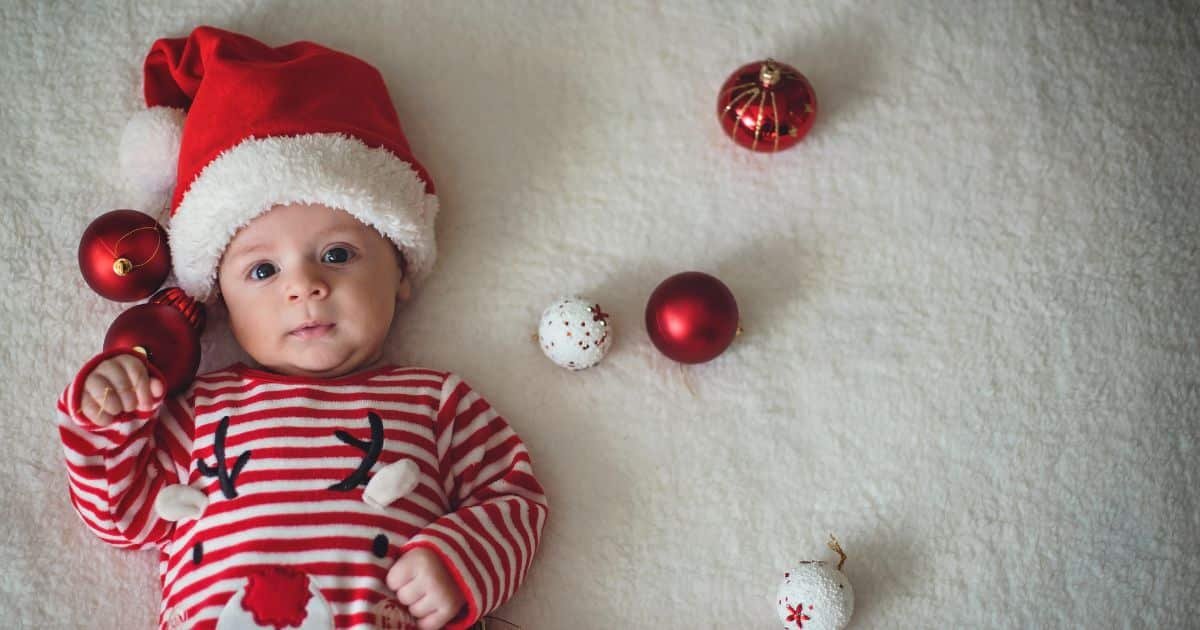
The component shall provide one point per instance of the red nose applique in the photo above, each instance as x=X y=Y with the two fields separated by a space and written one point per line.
x=277 y=597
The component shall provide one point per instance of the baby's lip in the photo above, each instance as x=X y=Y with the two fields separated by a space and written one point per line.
x=311 y=328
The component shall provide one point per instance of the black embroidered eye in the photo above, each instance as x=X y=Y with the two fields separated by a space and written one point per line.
x=379 y=546
x=262 y=271
x=336 y=255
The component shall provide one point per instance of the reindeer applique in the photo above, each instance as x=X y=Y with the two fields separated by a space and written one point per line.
x=295 y=599
x=180 y=501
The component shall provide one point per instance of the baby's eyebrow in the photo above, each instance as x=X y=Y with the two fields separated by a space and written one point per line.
x=237 y=252
x=245 y=250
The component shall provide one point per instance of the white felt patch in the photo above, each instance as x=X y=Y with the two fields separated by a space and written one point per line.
x=391 y=483
x=177 y=502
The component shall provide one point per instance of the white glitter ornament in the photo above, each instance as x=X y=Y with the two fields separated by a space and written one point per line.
x=816 y=595
x=574 y=333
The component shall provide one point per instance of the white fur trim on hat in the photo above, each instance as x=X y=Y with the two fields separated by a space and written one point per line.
x=149 y=151
x=333 y=169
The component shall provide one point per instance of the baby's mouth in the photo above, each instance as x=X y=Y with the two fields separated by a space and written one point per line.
x=312 y=330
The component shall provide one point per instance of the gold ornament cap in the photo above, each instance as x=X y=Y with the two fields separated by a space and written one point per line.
x=122 y=266
x=770 y=73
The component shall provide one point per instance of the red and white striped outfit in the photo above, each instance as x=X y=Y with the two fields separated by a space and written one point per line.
x=477 y=503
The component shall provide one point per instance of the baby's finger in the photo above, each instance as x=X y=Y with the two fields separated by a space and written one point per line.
x=399 y=575
x=122 y=386
x=423 y=607
x=95 y=384
x=141 y=384
x=91 y=411
x=410 y=593
x=139 y=379
x=99 y=406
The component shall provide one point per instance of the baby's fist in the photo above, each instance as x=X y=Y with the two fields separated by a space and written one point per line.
x=119 y=384
x=423 y=584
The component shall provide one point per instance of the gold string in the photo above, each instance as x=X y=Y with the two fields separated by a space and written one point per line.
x=837 y=548
x=157 y=225
x=164 y=211
x=157 y=244
x=108 y=389
x=105 y=400
x=686 y=374
x=686 y=379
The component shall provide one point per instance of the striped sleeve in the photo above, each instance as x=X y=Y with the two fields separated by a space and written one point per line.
x=498 y=508
x=115 y=472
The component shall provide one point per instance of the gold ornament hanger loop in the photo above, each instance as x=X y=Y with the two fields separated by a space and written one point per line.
x=122 y=265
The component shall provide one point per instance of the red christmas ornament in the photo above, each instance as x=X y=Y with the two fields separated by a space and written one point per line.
x=766 y=106
x=692 y=317
x=163 y=334
x=124 y=255
x=194 y=311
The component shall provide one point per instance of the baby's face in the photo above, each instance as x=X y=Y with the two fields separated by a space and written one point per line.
x=311 y=290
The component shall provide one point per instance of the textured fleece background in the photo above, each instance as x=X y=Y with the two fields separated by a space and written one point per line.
x=970 y=296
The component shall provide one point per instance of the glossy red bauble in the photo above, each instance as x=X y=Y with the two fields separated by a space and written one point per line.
x=766 y=106
x=194 y=311
x=164 y=335
x=124 y=256
x=692 y=317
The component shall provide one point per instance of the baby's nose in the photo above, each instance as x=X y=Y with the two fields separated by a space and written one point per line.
x=307 y=284
x=313 y=291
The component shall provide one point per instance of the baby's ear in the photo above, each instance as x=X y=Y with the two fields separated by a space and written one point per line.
x=403 y=290
x=403 y=287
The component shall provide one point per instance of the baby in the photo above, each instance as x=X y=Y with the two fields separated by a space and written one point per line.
x=321 y=487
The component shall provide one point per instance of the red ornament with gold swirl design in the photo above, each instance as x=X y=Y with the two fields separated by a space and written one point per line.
x=767 y=106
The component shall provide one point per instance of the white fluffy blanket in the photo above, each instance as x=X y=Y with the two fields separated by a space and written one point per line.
x=970 y=296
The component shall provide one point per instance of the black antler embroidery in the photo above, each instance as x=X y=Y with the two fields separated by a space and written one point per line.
x=371 y=451
x=228 y=478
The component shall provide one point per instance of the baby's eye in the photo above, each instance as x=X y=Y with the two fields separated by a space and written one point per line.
x=336 y=255
x=262 y=271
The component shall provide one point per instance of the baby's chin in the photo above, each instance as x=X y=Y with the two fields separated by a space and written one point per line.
x=322 y=363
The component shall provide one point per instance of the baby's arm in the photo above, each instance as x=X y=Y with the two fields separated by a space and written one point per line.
x=117 y=461
x=498 y=507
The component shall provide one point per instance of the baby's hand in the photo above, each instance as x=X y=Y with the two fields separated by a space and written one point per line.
x=119 y=384
x=423 y=584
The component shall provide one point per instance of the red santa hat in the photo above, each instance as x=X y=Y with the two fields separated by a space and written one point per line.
x=237 y=127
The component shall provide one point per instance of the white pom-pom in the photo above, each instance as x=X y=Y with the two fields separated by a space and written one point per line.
x=149 y=152
x=574 y=333
x=177 y=502
x=816 y=595
x=392 y=482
